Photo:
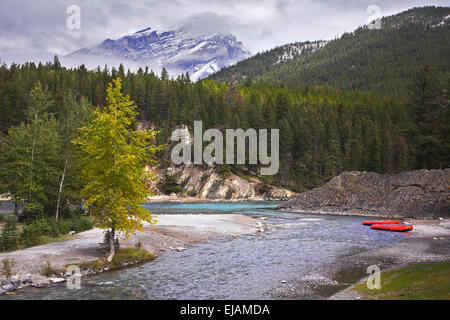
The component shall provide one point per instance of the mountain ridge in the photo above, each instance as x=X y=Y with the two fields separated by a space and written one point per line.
x=179 y=51
x=365 y=59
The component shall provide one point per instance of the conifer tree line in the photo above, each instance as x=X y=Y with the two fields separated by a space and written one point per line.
x=323 y=131
x=382 y=60
x=38 y=162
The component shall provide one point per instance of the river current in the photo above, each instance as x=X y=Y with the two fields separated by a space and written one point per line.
x=244 y=267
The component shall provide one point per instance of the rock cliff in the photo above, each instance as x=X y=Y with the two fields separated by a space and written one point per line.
x=205 y=183
x=421 y=194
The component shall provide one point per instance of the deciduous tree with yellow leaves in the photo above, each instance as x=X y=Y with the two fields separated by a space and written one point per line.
x=113 y=155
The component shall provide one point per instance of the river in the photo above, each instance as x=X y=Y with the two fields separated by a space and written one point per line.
x=244 y=267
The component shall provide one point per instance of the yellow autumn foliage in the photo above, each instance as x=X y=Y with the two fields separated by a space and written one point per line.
x=113 y=155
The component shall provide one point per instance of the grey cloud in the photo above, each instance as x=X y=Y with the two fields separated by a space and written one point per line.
x=36 y=29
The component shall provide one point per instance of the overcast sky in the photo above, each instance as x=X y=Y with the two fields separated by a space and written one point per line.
x=36 y=29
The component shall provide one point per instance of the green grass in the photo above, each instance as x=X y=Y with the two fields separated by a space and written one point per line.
x=41 y=240
x=418 y=282
x=122 y=256
x=48 y=270
x=49 y=239
x=131 y=255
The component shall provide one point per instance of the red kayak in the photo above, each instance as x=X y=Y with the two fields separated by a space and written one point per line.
x=369 y=223
x=392 y=227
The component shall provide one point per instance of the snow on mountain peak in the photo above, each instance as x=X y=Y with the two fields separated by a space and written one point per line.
x=187 y=48
x=143 y=31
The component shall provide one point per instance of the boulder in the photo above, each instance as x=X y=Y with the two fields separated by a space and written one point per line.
x=15 y=281
x=276 y=193
x=421 y=194
x=8 y=287
x=27 y=279
x=56 y=280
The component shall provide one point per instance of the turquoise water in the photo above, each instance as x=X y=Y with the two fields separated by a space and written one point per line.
x=246 y=267
x=248 y=207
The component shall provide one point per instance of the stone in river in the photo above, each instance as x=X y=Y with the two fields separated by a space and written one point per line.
x=56 y=280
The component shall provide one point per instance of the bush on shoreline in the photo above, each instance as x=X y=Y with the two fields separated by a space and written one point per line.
x=7 y=268
x=10 y=235
x=39 y=231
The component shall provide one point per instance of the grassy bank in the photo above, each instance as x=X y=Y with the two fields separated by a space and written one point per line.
x=417 y=282
x=122 y=258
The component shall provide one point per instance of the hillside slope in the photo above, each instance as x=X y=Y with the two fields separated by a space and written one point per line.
x=366 y=59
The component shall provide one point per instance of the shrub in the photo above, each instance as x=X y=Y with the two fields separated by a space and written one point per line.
x=224 y=170
x=204 y=177
x=39 y=231
x=263 y=188
x=184 y=182
x=7 y=268
x=80 y=224
x=31 y=235
x=10 y=235
x=138 y=245
x=192 y=193
x=65 y=226
x=34 y=231
x=169 y=184
x=106 y=238
x=48 y=271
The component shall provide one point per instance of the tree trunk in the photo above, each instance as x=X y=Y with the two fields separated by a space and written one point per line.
x=112 y=245
x=58 y=202
x=32 y=156
x=16 y=207
x=424 y=164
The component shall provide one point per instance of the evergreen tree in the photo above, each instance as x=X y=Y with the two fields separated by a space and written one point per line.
x=374 y=154
x=426 y=115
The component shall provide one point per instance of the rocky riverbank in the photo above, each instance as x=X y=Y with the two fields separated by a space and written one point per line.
x=172 y=233
x=421 y=194
x=429 y=242
x=204 y=183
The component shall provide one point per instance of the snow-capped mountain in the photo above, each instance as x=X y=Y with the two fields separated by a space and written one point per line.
x=184 y=49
